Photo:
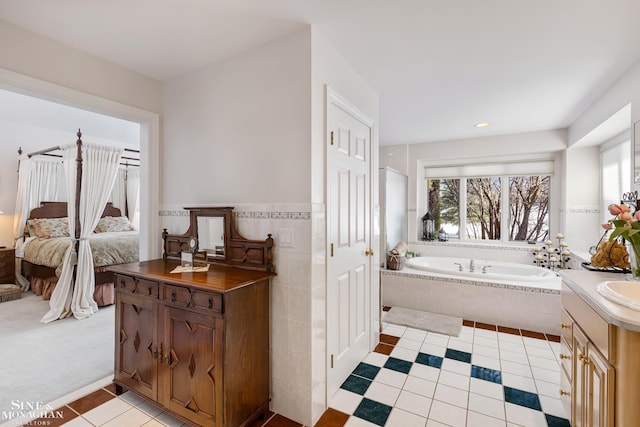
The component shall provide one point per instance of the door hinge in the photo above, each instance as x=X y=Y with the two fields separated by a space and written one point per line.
x=332 y=361
x=332 y=249
x=331 y=137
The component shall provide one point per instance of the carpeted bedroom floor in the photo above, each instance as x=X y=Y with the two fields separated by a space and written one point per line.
x=42 y=362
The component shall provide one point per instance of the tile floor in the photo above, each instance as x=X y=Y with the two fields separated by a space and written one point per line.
x=488 y=376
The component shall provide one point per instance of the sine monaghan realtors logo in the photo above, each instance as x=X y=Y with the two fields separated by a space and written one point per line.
x=40 y=413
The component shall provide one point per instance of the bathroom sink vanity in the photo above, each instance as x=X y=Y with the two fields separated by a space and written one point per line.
x=600 y=354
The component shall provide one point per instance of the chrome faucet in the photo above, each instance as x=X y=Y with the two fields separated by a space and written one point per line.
x=472 y=266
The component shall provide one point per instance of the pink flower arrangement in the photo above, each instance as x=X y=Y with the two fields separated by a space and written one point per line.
x=626 y=223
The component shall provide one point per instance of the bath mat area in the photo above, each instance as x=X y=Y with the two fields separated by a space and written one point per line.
x=432 y=322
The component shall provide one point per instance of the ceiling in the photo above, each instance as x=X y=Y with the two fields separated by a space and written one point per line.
x=439 y=66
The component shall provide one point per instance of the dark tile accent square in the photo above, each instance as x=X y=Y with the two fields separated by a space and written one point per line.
x=332 y=418
x=90 y=401
x=461 y=356
x=553 y=421
x=262 y=420
x=430 y=360
x=398 y=365
x=386 y=308
x=486 y=326
x=486 y=374
x=111 y=388
x=389 y=339
x=356 y=384
x=469 y=323
x=279 y=421
x=383 y=349
x=374 y=412
x=365 y=370
x=507 y=330
x=522 y=398
x=553 y=338
x=531 y=334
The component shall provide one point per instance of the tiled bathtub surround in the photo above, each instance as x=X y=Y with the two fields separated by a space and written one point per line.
x=518 y=306
x=297 y=298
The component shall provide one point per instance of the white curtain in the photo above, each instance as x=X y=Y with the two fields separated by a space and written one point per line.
x=126 y=191
x=100 y=166
x=133 y=194
x=39 y=180
x=60 y=302
x=119 y=192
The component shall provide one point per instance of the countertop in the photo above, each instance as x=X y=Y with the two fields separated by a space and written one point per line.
x=584 y=282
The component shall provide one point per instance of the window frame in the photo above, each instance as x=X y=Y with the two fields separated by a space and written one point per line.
x=542 y=165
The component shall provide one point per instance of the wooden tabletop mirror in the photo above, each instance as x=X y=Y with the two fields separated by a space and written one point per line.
x=218 y=242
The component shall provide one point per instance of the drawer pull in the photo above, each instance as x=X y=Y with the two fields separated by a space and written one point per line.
x=149 y=290
x=565 y=326
x=584 y=359
x=122 y=284
x=173 y=295
x=564 y=393
x=210 y=302
x=564 y=356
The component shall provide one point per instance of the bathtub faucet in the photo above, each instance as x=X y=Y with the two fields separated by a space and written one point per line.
x=459 y=266
x=472 y=266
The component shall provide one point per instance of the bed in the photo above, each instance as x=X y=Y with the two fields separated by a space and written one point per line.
x=114 y=242
x=65 y=248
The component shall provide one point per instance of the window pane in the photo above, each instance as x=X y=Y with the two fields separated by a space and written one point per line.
x=444 y=202
x=483 y=208
x=529 y=208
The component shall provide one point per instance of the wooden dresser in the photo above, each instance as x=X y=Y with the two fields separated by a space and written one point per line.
x=7 y=265
x=197 y=343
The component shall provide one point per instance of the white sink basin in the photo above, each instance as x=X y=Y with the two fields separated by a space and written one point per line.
x=621 y=292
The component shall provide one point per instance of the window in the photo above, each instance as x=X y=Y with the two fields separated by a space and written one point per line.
x=615 y=176
x=496 y=204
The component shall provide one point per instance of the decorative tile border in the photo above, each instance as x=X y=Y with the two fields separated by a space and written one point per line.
x=425 y=276
x=466 y=245
x=181 y=212
x=249 y=214
x=581 y=211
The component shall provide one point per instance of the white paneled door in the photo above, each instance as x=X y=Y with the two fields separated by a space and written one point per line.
x=349 y=241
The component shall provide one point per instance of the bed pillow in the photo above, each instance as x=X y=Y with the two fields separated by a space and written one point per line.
x=109 y=224
x=46 y=228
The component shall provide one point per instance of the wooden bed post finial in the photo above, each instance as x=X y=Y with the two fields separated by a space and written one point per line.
x=79 y=134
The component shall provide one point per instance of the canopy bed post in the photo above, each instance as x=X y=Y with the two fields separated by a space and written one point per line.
x=78 y=189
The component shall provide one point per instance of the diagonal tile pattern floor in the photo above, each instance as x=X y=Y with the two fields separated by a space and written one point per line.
x=488 y=376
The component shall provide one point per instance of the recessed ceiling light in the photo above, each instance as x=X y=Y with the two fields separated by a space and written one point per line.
x=482 y=125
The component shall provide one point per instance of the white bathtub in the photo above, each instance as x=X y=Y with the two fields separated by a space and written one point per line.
x=508 y=294
x=484 y=270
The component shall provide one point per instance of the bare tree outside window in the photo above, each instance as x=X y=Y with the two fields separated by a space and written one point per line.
x=527 y=213
x=483 y=208
x=529 y=208
x=444 y=204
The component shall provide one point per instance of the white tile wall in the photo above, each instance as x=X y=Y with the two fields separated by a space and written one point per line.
x=297 y=299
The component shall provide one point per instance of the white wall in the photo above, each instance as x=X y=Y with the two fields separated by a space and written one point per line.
x=238 y=131
x=32 y=55
x=330 y=69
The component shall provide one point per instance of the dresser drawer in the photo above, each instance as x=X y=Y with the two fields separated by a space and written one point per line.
x=565 y=358
x=184 y=297
x=7 y=254
x=566 y=327
x=137 y=286
x=594 y=326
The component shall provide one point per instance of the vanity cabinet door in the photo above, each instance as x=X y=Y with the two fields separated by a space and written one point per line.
x=599 y=393
x=593 y=385
x=189 y=372
x=136 y=350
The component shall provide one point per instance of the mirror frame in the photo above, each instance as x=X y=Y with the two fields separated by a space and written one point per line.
x=238 y=251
